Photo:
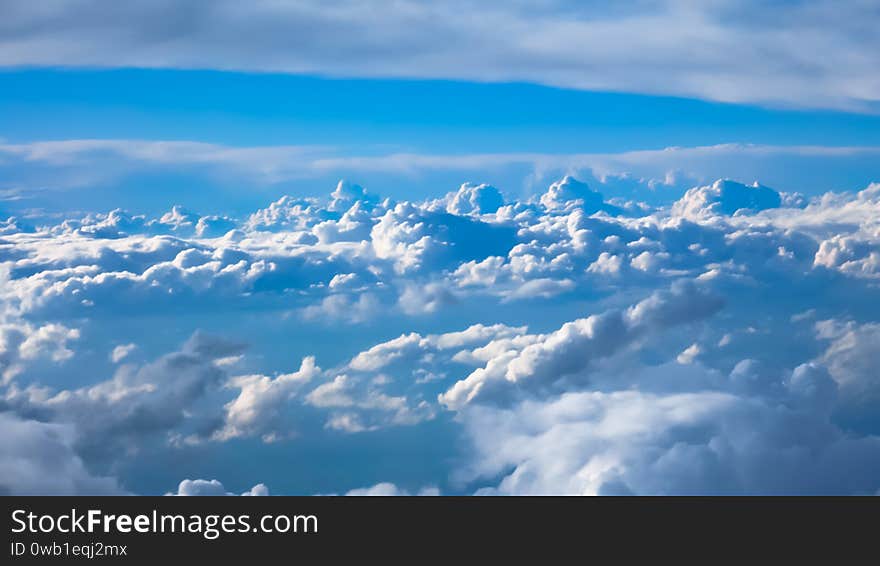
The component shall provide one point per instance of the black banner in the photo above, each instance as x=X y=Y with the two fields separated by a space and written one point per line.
x=150 y=530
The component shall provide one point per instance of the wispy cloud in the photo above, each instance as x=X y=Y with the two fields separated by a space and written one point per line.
x=83 y=163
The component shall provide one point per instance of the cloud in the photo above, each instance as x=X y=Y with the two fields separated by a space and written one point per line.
x=425 y=299
x=689 y=354
x=642 y=175
x=570 y=192
x=117 y=416
x=718 y=51
x=200 y=487
x=356 y=405
x=718 y=342
x=386 y=489
x=260 y=401
x=630 y=442
x=383 y=386
x=120 y=352
x=22 y=343
x=343 y=308
x=849 y=357
x=474 y=199
x=416 y=238
x=553 y=359
x=38 y=458
x=726 y=197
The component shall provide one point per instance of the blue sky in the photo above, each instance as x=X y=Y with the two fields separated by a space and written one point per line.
x=464 y=247
x=375 y=115
x=508 y=124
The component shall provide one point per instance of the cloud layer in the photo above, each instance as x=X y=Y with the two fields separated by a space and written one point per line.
x=728 y=51
x=59 y=175
x=719 y=342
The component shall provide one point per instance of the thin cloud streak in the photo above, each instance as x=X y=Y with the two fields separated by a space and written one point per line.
x=88 y=162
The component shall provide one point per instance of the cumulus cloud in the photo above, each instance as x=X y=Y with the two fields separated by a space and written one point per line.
x=726 y=197
x=630 y=442
x=389 y=384
x=357 y=405
x=850 y=358
x=200 y=487
x=386 y=489
x=570 y=192
x=118 y=415
x=22 y=342
x=260 y=400
x=474 y=199
x=553 y=359
x=718 y=342
x=664 y=49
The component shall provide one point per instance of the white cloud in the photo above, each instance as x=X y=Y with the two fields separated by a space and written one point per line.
x=726 y=197
x=426 y=299
x=261 y=399
x=121 y=352
x=689 y=354
x=570 y=192
x=630 y=442
x=606 y=264
x=22 y=342
x=343 y=307
x=823 y=56
x=389 y=489
x=382 y=354
x=552 y=361
x=615 y=368
x=200 y=487
x=361 y=395
x=642 y=174
x=474 y=199
x=358 y=407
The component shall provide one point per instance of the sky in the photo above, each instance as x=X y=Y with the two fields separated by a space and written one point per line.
x=439 y=248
